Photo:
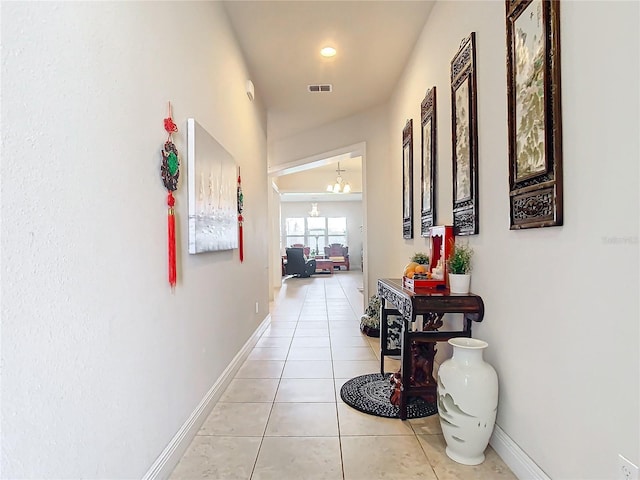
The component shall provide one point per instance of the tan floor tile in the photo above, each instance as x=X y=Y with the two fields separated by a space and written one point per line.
x=346 y=331
x=303 y=420
x=352 y=353
x=339 y=382
x=308 y=369
x=230 y=458
x=237 y=420
x=348 y=341
x=310 y=342
x=305 y=458
x=306 y=390
x=293 y=318
x=312 y=332
x=353 y=368
x=273 y=342
x=427 y=425
x=278 y=332
x=353 y=422
x=397 y=458
x=277 y=353
x=310 y=353
x=319 y=325
x=261 y=369
x=391 y=364
x=250 y=390
x=310 y=318
x=493 y=467
x=317 y=315
x=343 y=317
x=282 y=325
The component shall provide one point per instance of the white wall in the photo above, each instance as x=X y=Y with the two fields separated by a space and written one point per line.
x=351 y=210
x=101 y=363
x=561 y=303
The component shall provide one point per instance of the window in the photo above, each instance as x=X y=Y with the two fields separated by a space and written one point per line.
x=337 y=229
x=315 y=232
x=294 y=231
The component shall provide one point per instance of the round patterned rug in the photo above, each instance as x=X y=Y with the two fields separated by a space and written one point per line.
x=370 y=394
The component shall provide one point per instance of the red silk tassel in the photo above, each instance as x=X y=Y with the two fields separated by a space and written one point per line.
x=240 y=218
x=172 y=240
x=240 y=238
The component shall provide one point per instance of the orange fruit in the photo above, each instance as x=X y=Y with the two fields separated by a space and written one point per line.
x=410 y=268
x=410 y=274
x=420 y=269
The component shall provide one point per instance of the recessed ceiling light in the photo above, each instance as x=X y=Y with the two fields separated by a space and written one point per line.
x=328 y=52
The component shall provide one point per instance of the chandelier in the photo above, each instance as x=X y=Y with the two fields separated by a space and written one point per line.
x=340 y=186
x=314 y=210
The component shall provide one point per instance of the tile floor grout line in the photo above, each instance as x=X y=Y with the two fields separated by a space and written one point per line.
x=311 y=294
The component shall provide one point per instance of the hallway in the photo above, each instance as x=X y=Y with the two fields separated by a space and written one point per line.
x=282 y=417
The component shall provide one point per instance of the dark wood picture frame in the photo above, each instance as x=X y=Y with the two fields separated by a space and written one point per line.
x=534 y=113
x=428 y=176
x=407 y=180
x=464 y=128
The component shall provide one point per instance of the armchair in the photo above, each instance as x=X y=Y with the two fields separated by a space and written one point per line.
x=297 y=265
x=305 y=250
x=338 y=254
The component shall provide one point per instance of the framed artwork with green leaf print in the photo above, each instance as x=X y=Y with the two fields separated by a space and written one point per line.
x=464 y=137
x=534 y=116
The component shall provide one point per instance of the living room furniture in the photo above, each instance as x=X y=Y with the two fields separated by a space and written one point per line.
x=324 y=265
x=297 y=264
x=305 y=250
x=338 y=254
x=417 y=349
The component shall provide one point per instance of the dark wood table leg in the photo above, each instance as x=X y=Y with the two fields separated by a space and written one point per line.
x=383 y=335
x=405 y=369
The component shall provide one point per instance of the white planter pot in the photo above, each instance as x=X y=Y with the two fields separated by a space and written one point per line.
x=467 y=401
x=459 y=283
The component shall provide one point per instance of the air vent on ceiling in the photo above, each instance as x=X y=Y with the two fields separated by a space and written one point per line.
x=320 y=88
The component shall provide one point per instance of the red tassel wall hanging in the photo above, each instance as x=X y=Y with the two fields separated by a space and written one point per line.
x=170 y=171
x=240 y=218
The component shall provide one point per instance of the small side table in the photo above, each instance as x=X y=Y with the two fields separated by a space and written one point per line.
x=418 y=347
x=324 y=265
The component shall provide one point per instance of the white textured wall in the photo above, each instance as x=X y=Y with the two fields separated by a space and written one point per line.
x=101 y=364
x=561 y=303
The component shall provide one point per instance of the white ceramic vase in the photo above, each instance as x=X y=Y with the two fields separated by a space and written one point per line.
x=459 y=283
x=467 y=401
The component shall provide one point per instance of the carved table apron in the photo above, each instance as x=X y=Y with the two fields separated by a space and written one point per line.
x=418 y=347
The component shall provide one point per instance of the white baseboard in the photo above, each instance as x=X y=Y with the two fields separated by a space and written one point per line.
x=173 y=452
x=514 y=457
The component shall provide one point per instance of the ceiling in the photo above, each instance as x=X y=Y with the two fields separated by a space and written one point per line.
x=281 y=41
x=310 y=184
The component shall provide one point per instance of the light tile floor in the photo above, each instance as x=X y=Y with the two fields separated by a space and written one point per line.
x=282 y=417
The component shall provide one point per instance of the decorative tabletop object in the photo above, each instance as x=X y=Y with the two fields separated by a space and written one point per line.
x=459 y=267
x=170 y=172
x=467 y=401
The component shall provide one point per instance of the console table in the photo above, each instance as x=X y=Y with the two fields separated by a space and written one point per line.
x=417 y=351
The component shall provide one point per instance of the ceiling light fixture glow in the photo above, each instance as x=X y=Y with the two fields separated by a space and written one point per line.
x=328 y=52
x=340 y=186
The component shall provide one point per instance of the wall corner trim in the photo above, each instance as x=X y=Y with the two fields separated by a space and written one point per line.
x=516 y=459
x=173 y=452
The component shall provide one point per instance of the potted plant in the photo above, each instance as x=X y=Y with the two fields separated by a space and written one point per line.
x=370 y=321
x=420 y=258
x=459 y=268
